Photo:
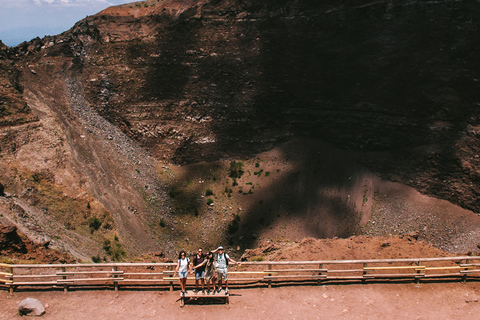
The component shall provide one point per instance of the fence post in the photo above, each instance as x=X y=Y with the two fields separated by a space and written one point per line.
x=171 y=281
x=12 y=287
x=65 y=286
x=269 y=280
x=364 y=273
x=417 y=279
x=464 y=278
x=114 y=275
x=320 y=266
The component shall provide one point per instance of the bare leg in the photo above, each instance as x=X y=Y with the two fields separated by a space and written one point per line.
x=220 y=282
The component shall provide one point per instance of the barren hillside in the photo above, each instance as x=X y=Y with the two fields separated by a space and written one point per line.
x=161 y=125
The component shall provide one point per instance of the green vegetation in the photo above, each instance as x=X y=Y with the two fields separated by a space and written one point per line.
x=94 y=224
x=228 y=191
x=114 y=249
x=84 y=216
x=162 y=223
x=257 y=258
x=209 y=201
x=236 y=169
x=208 y=193
x=258 y=173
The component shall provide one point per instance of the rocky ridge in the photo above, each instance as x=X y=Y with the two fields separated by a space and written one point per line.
x=120 y=110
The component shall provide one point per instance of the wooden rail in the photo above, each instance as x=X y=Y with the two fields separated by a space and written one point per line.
x=116 y=275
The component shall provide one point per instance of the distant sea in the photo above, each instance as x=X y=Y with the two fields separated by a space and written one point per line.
x=14 y=37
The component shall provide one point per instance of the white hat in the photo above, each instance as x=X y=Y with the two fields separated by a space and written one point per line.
x=220 y=248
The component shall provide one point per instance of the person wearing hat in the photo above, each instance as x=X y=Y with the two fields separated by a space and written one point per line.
x=222 y=264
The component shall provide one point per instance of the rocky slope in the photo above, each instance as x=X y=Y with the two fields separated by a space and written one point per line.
x=133 y=114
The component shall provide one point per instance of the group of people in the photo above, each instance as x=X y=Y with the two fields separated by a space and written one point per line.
x=207 y=267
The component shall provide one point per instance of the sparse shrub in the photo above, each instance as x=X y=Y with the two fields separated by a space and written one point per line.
x=267 y=173
x=96 y=259
x=114 y=249
x=256 y=258
x=209 y=201
x=257 y=165
x=94 y=224
x=88 y=205
x=228 y=191
x=36 y=177
x=162 y=223
x=236 y=169
x=208 y=193
x=258 y=173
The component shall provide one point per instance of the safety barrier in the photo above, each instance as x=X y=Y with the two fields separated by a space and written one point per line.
x=259 y=273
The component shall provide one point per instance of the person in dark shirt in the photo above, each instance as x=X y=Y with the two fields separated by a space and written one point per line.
x=199 y=269
x=209 y=265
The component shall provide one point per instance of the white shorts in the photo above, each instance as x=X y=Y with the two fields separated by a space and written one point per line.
x=222 y=274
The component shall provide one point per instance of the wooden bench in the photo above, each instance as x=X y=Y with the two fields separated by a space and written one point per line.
x=190 y=295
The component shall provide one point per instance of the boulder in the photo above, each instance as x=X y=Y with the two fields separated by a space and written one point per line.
x=31 y=307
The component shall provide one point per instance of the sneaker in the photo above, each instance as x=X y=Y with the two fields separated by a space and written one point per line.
x=213 y=292
x=183 y=293
x=195 y=291
x=226 y=292
x=219 y=289
x=208 y=292
x=203 y=291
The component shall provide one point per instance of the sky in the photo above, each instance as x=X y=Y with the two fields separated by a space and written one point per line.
x=23 y=20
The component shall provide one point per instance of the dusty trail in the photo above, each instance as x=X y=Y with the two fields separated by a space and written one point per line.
x=371 y=301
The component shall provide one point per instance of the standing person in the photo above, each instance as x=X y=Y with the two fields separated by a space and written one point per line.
x=209 y=265
x=199 y=269
x=222 y=264
x=182 y=270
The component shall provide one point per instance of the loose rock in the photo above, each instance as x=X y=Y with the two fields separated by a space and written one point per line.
x=31 y=307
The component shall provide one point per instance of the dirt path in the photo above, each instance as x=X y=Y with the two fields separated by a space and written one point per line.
x=371 y=301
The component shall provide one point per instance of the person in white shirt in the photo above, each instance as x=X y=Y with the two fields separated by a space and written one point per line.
x=182 y=270
x=222 y=263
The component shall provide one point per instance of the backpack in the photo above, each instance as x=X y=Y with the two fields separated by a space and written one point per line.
x=225 y=255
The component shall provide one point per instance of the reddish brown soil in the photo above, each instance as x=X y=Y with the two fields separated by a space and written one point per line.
x=380 y=301
x=448 y=300
x=19 y=248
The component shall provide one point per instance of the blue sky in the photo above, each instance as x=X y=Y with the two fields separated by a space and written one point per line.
x=23 y=20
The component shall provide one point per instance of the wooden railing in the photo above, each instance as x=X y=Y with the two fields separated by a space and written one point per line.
x=260 y=273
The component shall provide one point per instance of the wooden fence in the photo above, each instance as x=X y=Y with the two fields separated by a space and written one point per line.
x=259 y=273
